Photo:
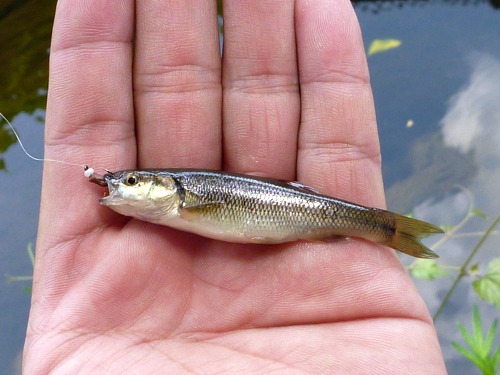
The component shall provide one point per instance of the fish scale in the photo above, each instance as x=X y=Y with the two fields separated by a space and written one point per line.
x=259 y=207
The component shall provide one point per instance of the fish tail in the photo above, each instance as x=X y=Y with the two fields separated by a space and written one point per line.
x=407 y=235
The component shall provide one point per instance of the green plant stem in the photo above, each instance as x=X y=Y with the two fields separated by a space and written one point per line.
x=463 y=269
x=31 y=254
x=19 y=278
x=451 y=233
x=474 y=234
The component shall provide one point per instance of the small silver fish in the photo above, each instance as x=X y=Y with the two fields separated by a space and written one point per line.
x=248 y=209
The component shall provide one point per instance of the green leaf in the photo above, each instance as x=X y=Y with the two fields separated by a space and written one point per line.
x=474 y=269
x=477 y=330
x=480 y=346
x=466 y=336
x=478 y=212
x=446 y=228
x=427 y=269
x=496 y=360
x=28 y=289
x=382 y=45
x=465 y=353
x=31 y=253
x=490 y=336
x=488 y=286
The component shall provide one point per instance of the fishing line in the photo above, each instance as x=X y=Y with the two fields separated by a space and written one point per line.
x=87 y=171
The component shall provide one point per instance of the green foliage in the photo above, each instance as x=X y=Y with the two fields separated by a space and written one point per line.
x=446 y=228
x=382 y=45
x=427 y=269
x=6 y=140
x=480 y=351
x=31 y=255
x=487 y=287
x=480 y=347
x=219 y=7
x=479 y=213
x=24 y=76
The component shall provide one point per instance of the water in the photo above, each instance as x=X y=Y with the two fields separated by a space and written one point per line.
x=445 y=77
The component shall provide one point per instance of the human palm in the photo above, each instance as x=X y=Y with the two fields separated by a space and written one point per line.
x=117 y=295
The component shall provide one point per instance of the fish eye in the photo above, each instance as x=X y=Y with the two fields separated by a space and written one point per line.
x=131 y=180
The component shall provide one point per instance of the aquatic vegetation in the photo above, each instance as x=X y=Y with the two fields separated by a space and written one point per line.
x=382 y=45
x=29 y=278
x=486 y=285
x=481 y=351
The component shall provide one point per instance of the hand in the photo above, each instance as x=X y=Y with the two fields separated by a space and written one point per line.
x=291 y=99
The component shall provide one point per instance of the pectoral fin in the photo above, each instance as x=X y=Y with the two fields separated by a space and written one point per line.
x=199 y=206
x=194 y=210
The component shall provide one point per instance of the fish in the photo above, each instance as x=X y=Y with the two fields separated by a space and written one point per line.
x=243 y=208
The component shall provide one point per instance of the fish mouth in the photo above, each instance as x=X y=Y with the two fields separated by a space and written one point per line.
x=111 y=194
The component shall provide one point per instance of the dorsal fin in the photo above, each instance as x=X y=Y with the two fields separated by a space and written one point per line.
x=304 y=188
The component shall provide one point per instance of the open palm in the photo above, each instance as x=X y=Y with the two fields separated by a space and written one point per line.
x=143 y=86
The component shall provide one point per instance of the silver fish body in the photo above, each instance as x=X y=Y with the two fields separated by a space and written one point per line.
x=249 y=209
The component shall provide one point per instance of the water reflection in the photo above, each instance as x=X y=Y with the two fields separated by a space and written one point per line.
x=377 y=6
x=473 y=115
x=24 y=60
x=466 y=151
x=472 y=125
x=6 y=140
x=471 y=129
x=435 y=170
x=470 y=133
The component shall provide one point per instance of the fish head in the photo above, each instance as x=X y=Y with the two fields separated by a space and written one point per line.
x=145 y=195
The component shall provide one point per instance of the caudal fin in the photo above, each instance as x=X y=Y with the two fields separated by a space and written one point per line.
x=408 y=234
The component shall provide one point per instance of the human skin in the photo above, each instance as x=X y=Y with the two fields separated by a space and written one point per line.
x=142 y=85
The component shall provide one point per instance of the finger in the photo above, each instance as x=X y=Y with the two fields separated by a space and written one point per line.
x=177 y=84
x=89 y=111
x=261 y=95
x=338 y=142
